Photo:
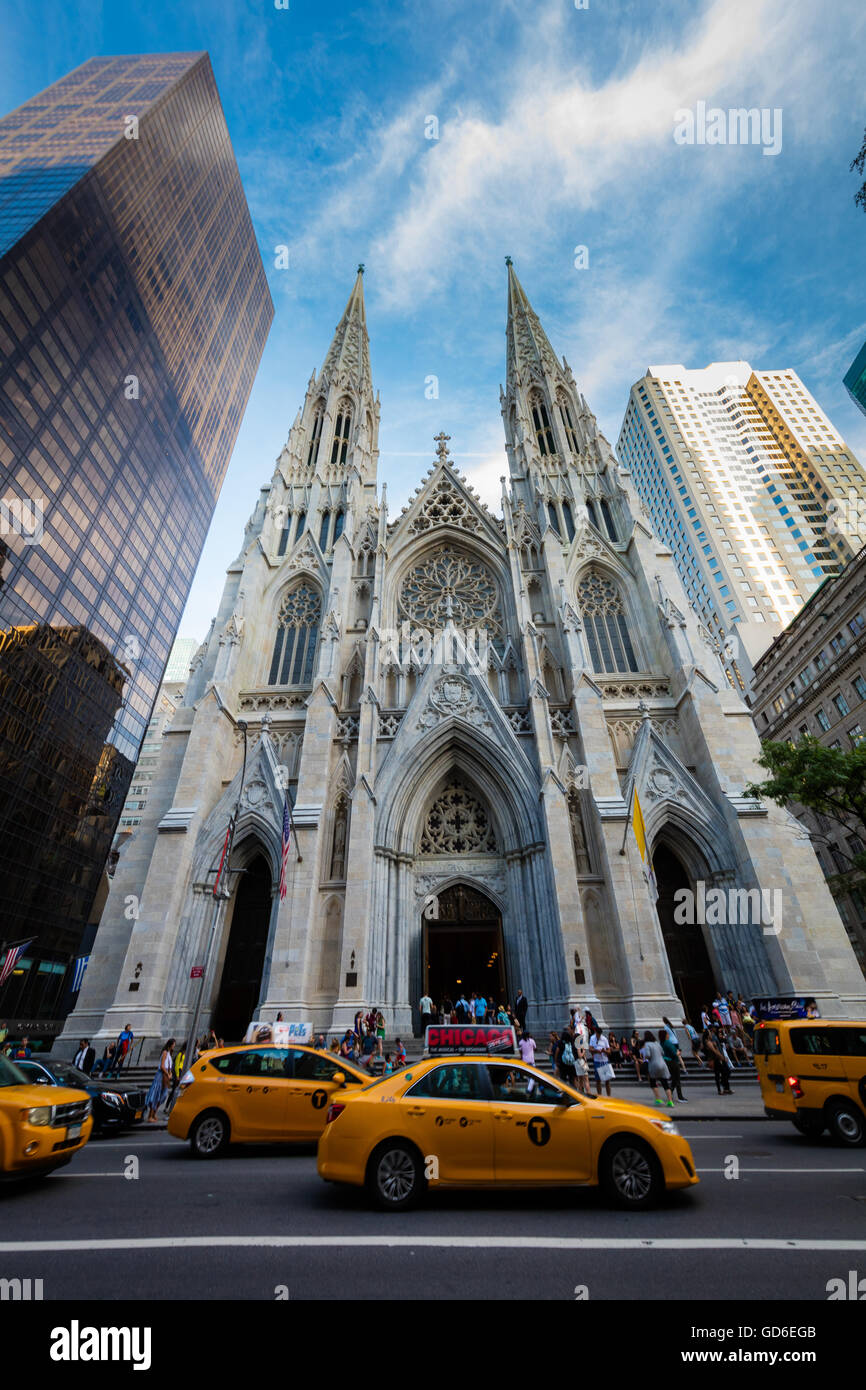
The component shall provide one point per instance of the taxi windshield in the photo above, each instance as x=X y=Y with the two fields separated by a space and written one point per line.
x=10 y=1075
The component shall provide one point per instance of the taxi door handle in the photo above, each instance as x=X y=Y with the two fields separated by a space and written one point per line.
x=415 y=1110
x=502 y=1115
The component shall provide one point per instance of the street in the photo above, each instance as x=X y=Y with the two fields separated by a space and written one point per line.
x=259 y=1224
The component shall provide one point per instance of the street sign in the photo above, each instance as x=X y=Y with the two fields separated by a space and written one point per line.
x=196 y=972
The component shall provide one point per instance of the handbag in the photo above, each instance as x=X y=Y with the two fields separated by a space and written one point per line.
x=605 y=1072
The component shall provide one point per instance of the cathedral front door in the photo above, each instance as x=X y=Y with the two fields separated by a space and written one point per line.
x=463 y=948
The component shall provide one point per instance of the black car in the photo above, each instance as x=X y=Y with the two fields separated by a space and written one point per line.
x=115 y=1105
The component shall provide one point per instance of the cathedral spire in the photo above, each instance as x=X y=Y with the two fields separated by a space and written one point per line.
x=528 y=348
x=348 y=359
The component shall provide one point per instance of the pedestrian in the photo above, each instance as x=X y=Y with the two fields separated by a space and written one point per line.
x=581 y=1063
x=657 y=1068
x=425 y=1006
x=614 y=1049
x=347 y=1046
x=399 y=1053
x=177 y=1069
x=358 y=1027
x=122 y=1047
x=21 y=1051
x=714 y=1050
x=85 y=1057
x=461 y=1008
x=720 y=1007
x=674 y=1059
x=161 y=1082
x=599 y=1047
x=566 y=1057
x=388 y=1069
x=521 y=1008
x=527 y=1048
x=480 y=1008
x=4 y=1033
x=553 y=1052
x=380 y=1027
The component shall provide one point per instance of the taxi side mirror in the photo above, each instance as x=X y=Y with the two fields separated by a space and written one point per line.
x=339 y=1078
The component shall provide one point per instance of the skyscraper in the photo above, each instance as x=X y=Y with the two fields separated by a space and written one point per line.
x=741 y=473
x=134 y=309
x=854 y=380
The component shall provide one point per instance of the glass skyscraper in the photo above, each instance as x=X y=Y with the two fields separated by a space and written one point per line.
x=134 y=310
x=854 y=380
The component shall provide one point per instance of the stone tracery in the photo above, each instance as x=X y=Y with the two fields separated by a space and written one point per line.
x=457 y=823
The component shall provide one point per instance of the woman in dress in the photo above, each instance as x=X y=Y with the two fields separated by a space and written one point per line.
x=657 y=1068
x=380 y=1028
x=635 y=1046
x=161 y=1083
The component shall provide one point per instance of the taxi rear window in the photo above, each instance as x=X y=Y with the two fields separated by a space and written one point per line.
x=767 y=1042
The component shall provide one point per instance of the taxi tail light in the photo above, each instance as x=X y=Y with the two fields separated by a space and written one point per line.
x=334 y=1109
x=796 y=1089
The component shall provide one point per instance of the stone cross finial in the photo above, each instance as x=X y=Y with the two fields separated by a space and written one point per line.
x=441 y=440
x=361 y=268
x=508 y=260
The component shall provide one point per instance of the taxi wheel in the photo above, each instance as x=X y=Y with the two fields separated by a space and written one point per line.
x=395 y=1177
x=630 y=1174
x=209 y=1136
x=845 y=1123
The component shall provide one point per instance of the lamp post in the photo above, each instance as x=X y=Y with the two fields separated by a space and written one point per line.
x=222 y=893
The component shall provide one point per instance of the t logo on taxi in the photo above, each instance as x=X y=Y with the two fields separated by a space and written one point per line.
x=539 y=1130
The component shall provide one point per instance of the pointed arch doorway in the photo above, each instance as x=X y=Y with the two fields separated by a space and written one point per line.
x=463 y=947
x=241 y=980
x=686 y=948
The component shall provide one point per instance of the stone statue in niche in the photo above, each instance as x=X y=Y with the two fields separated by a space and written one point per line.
x=338 y=853
x=578 y=835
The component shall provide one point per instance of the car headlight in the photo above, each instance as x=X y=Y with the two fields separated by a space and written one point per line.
x=666 y=1126
x=112 y=1097
x=41 y=1115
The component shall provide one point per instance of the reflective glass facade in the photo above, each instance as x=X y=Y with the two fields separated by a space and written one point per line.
x=134 y=310
x=854 y=380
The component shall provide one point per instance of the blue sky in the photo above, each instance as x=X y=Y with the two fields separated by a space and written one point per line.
x=555 y=130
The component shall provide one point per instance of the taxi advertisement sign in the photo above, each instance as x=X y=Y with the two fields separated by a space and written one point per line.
x=281 y=1034
x=444 y=1038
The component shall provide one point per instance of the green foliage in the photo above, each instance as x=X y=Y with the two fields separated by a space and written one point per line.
x=830 y=781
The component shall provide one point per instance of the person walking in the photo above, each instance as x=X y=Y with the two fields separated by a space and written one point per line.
x=521 y=1007
x=480 y=1008
x=122 y=1048
x=674 y=1059
x=425 y=1007
x=178 y=1067
x=599 y=1048
x=714 y=1050
x=695 y=1040
x=565 y=1056
x=657 y=1068
x=462 y=1008
x=634 y=1047
x=161 y=1082
x=527 y=1048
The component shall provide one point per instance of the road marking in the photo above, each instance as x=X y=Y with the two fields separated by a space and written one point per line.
x=717 y=1138
x=477 y=1243
x=787 y=1170
x=90 y=1175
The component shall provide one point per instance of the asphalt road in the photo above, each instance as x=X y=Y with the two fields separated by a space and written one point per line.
x=260 y=1224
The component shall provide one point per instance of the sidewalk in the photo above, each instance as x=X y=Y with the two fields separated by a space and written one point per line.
x=702 y=1102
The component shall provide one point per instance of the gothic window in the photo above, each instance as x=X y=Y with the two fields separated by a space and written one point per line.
x=297 y=632
x=457 y=823
x=608 y=520
x=450 y=586
x=340 y=446
x=315 y=438
x=554 y=519
x=569 y=520
x=590 y=511
x=543 y=431
x=325 y=528
x=340 y=838
x=338 y=526
x=606 y=629
x=570 y=433
x=302 y=521
x=284 y=537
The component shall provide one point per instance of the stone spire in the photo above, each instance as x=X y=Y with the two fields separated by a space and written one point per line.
x=528 y=350
x=348 y=361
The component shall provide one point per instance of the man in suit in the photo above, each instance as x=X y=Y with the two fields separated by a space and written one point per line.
x=84 y=1057
x=521 y=1004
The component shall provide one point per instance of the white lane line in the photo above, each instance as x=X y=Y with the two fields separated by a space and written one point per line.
x=477 y=1243
x=64 y=1176
x=157 y=1144
x=717 y=1138
x=786 y=1170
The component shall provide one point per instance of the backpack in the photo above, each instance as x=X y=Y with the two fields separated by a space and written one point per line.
x=567 y=1058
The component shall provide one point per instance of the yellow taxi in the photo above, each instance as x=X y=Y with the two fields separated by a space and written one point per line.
x=36 y=1138
x=485 y=1121
x=813 y=1073
x=258 y=1095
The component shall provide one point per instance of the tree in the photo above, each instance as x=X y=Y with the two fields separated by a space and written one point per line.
x=826 y=780
x=859 y=163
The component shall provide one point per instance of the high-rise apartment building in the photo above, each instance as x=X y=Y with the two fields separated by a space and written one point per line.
x=741 y=473
x=134 y=310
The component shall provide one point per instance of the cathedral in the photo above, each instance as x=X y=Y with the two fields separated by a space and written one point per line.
x=466 y=709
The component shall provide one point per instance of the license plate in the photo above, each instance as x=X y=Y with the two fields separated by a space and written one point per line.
x=780 y=1086
x=73 y=1132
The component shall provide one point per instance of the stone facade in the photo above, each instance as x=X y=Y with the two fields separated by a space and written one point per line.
x=456 y=701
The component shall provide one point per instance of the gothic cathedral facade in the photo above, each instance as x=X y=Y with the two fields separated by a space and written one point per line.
x=463 y=707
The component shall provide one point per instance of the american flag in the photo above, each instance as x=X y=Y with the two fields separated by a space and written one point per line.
x=80 y=967
x=13 y=955
x=287 y=835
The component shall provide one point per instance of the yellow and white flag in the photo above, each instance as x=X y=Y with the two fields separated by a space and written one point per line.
x=640 y=836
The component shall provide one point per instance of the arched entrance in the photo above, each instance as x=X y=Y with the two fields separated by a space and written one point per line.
x=241 y=981
x=463 y=947
x=688 y=956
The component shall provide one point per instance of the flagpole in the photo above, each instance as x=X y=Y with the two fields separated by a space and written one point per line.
x=627 y=817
